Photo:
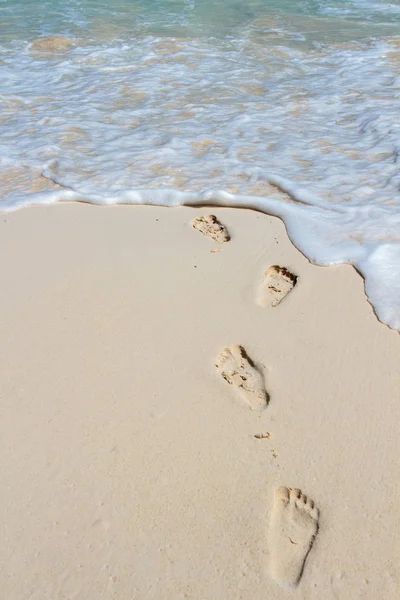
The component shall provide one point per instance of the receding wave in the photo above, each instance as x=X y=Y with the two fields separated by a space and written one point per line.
x=278 y=113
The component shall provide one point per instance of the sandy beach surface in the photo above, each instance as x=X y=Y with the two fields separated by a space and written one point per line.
x=131 y=470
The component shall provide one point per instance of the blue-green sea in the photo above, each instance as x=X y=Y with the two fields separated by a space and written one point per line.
x=314 y=20
x=290 y=107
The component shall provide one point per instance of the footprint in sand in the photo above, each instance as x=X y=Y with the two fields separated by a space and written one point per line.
x=238 y=370
x=275 y=286
x=211 y=227
x=293 y=527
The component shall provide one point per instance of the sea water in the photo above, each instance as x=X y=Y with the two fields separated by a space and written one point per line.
x=291 y=107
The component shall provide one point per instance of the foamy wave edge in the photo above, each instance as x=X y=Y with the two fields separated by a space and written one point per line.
x=309 y=223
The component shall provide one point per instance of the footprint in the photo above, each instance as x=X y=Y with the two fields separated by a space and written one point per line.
x=211 y=227
x=238 y=370
x=275 y=286
x=293 y=527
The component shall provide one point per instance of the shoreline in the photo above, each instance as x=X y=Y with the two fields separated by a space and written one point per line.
x=124 y=452
x=377 y=264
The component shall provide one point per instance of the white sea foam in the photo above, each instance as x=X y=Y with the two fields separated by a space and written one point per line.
x=266 y=120
x=331 y=242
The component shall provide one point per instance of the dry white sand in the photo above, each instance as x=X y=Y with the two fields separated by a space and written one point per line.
x=129 y=467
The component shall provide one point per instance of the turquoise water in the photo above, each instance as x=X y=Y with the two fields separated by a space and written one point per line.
x=315 y=20
x=288 y=107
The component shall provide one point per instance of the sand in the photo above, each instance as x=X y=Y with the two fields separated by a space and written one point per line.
x=52 y=44
x=130 y=468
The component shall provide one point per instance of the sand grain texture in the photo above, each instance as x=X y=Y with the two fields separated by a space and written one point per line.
x=127 y=469
x=210 y=227
x=237 y=368
x=293 y=527
x=276 y=284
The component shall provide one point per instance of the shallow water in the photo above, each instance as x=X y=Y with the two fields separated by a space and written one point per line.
x=288 y=107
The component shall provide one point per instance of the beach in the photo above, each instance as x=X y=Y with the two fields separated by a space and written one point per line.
x=130 y=468
x=200 y=300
